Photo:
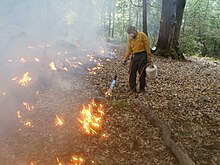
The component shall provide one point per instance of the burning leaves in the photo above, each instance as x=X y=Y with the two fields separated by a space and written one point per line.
x=25 y=80
x=28 y=107
x=25 y=123
x=58 y=121
x=92 y=117
x=52 y=66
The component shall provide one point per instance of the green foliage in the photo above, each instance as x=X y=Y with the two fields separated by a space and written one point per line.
x=120 y=104
x=201 y=28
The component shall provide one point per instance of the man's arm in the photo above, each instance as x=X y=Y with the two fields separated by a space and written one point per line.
x=147 y=47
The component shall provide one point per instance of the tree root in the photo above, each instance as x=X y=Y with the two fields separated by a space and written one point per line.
x=183 y=157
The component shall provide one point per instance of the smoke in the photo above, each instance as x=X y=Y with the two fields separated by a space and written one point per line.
x=34 y=33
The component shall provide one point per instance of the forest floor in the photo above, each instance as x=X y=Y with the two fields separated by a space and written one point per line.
x=185 y=97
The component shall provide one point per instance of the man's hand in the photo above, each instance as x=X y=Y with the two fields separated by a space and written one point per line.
x=124 y=62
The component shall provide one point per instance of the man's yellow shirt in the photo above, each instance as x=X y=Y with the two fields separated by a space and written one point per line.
x=138 y=44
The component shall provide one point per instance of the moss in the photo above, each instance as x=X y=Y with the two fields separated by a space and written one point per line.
x=122 y=104
x=172 y=54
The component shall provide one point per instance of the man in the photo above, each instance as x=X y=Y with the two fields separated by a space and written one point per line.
x=138 y=46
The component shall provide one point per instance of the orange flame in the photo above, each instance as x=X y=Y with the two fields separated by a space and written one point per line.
x=79 y=63
x=58 y=121
x=15 y=78
x=24 y=81
x=52 y=65
x=65 y=69
x=77 y=160
x=18 y=114
x=26 y=123
x=108 y=93
x=27 y=106
x=92 y=116
x=22 y=60
x=36 y=59
x=58 y=161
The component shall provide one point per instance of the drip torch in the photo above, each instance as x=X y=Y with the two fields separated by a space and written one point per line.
x=113 y=83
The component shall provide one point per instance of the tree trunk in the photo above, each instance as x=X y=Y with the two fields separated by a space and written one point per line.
x=145 y=16
x=171 y=20
x=129 y=15
x=109 y=23
x=113 y=25
x=179 y=17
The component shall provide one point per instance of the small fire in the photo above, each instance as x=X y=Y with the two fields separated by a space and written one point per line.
x=18 y=114
x=58 y=161
x=36 y=59
x=65 y=69
x=15 y=78
x=26 y=123
x=104 y=135
x=58 y=121
x=22 y=60
x=103 y=51
x=27 y=106
x=52 y=65
x=108 y=93
x=77 y=160
x=24 y=81
x=92 y=116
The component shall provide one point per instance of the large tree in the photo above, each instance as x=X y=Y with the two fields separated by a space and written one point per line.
x=171 y=20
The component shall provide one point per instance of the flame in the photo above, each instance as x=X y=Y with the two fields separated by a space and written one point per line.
x=26 y=123
x=18 y=114
x=58 y=121
x=108 y=93
x=52 y=65
x=58 y=161
x=103 y=51
x=104 y=135
x=77 y=160
x=15 y=78
x=65 y=69
x=22 y=60
x=27 y=106
x=92 y=116
x=24 y=81
x=36 y=59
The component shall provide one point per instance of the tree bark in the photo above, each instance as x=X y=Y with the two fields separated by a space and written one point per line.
x=145 y=16
x=113 y=25
x=171 y=20
x=109 y=23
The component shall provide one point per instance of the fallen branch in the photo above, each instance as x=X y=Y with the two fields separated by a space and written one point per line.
x=183 y=157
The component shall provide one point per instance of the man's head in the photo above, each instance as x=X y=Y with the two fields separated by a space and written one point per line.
x=132 y=32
